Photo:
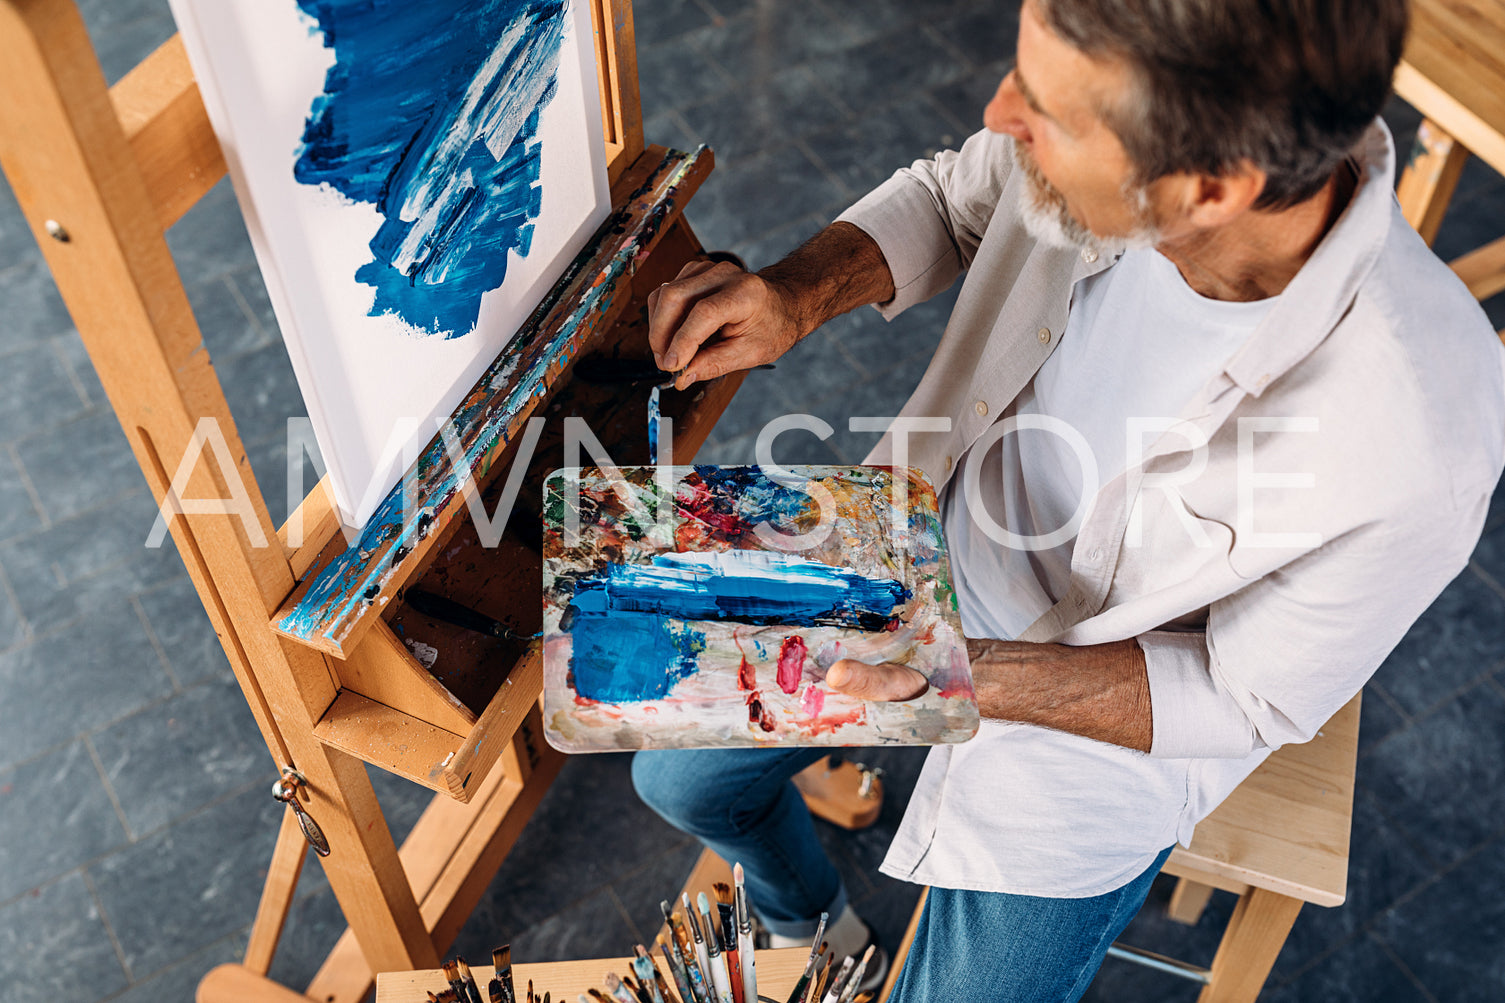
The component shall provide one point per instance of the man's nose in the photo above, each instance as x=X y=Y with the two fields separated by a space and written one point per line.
x=1003 y=113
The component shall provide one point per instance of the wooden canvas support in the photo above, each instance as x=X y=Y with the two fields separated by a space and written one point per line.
x=100 y=173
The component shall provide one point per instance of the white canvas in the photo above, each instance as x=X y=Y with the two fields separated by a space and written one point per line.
x=376 y=386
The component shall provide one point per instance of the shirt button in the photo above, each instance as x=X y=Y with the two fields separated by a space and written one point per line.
x=1044 y=335
x=948 y=463
x=1089 y=255
x=981 y=407
x=1095 y=555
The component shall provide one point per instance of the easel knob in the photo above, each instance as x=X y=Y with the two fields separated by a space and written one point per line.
x=285 y=789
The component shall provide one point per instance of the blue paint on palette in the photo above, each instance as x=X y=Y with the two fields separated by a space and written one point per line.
x=430 y=113
x=743 y=586
x=629 y=638
x=629 y=659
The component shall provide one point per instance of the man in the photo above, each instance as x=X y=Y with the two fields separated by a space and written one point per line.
x=1214 y=429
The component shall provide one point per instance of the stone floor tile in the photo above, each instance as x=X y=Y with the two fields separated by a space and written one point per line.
x=1442 y=781
x=178 y=755
x=1377 y=719
x=177 y=619
x=262 y=392
x=65 y=571
x=985 y=35
x=122 y=46
x=1489 y=555
x=1152 y=930
x=1458 y=638
x=12 y=627
x=227 y=326
x=879 y=344
x=80 y=368
x=79 y=465
x=17 y=245
x=53 y=946
x=18 y=514
x=103 y=15
x=673 y=74
x=770 y=38
x=190 y=884
x=590 y=927
x=661 y=20
x=1382 y=867
x=888 y=69
x=35 y=392
x=34 y=312
x=657 y=879
x=97 y=672
x=558 y=858
x=965 y=98
x=868 y=19
x=761 y=194
x=767 y=248
x=402 y=801
x=1360 y=972
x=666 y=129
x=314 y=924
x=763 y=115
x=868 y=151
x=179 y=982
x=54 y=816
x=1453 y=937
x=210 y=240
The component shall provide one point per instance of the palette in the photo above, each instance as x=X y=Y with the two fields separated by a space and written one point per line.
x=695 y=607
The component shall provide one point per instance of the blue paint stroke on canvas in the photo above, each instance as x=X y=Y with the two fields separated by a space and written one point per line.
x=629 y=637
x=431 y=113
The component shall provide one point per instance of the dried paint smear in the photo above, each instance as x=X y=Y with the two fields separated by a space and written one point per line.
x=710 y=629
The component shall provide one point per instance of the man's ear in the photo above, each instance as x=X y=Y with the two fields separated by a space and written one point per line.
x=1214 y=200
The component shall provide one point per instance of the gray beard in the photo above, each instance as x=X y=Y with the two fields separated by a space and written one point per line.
x=1046 y=217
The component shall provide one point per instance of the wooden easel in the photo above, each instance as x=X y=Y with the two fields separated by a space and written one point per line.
x=100 y=173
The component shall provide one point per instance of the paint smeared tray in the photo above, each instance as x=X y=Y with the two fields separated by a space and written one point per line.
x=698 y=607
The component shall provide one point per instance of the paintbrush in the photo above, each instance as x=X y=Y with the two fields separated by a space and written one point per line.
x=833 y=991
x=648 y=973
x=494 y=991
x=456 y=984
x=530 y=991
x=638 y=989
x=809 y=972
x=502 y=959
x=721 y=977
x=702 y=954
x=856 y=979
x=472 y=991
x=437 y=607
x=676 y=963
x=728 y=931
x=818 y=985
x=863 y=998
x=618 y=989
x=746 y=952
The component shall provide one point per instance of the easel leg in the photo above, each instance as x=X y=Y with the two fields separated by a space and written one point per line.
x=1432 y=170
x=1254 y=937
x=1188 y=901
x=276 y=895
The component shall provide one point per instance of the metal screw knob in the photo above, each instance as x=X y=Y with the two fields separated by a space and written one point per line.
x=285 y=789
x=56 y=232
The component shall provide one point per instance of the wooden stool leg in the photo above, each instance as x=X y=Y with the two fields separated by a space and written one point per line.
x=904 y=945
x=1188 y=901
x=1431 y=174
x=1250 y=945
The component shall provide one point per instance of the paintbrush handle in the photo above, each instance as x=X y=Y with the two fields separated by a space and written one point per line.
x=748 y=955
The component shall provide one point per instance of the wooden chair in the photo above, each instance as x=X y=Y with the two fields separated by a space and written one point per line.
x=1453 y=73
x=1278 y=841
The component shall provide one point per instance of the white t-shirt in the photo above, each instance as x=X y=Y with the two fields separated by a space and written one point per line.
x=1047 y=807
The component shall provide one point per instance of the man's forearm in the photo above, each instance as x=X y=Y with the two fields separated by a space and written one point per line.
x=1100 y=691
x=837 y=270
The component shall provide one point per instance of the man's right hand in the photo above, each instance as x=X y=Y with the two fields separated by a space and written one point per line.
x=715 y=318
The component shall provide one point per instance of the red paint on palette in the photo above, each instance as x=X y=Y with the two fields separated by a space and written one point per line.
x=746 y=678
x=791 y=662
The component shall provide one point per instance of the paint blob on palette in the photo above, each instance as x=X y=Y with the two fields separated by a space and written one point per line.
x=697 y=607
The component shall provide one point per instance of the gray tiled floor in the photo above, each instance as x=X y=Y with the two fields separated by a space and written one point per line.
x=135 y=825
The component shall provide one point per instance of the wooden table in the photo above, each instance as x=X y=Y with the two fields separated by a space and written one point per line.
x=1453 y=72
x=778 y=971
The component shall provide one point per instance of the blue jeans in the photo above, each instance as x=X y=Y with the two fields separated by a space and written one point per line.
x=741 y=803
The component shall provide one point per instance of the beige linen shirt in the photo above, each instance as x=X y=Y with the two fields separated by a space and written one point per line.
x=1268 y=553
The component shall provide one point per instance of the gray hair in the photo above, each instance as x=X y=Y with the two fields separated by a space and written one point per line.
x=1288 y=85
